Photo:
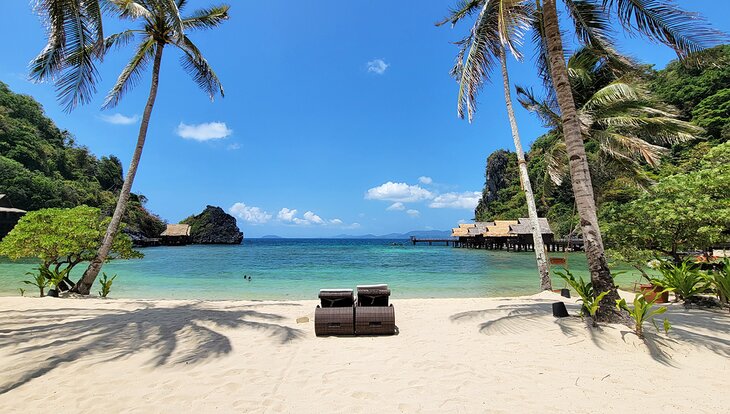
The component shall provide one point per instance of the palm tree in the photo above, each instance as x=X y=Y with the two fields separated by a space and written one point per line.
x=616 y=113
x=158 y=29
x=499 y=25
x=75 y=33
x=658 y=20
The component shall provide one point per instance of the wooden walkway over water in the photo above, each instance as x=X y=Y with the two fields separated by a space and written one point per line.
x=506 y=243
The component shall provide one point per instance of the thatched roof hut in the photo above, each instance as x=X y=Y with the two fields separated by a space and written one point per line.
x=9 y=215
x=523 y=227
x=176 y=230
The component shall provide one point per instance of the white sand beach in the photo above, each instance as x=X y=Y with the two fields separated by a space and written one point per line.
x=452 y=355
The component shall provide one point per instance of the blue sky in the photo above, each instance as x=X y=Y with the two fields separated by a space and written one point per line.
x=342 y=111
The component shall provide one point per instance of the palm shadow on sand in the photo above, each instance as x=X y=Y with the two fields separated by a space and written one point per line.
x=71 y=334
x=693 y=327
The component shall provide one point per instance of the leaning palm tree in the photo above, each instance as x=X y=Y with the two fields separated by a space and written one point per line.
x=659 y=20
x=617 y=114
x=498 y=26
x=158 y=29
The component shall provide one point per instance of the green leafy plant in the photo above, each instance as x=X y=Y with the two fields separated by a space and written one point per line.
x=685 y=279
x=38 y=280
x=643 y=311
x=106 y=285
x=720 y=280
x=584 y=289
x=22 y=291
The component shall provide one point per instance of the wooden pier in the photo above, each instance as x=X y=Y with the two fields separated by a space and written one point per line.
x=446 y=242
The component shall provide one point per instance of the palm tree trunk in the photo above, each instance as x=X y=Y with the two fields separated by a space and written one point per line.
x=84 y=285
x=542 y=265
x=579 y=172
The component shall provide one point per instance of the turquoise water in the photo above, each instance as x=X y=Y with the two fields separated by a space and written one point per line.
x=298 y=268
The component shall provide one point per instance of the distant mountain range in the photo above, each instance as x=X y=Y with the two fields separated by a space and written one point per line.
x=433 y=234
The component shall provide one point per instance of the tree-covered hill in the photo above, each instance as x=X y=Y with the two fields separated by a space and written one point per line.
x=41 y=167
x=701 y=94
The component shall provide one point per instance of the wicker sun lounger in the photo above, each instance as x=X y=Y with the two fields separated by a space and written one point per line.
x=373 y=314
x=336 y=313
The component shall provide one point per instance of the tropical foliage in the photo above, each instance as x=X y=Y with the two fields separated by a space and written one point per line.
x=681 y=213
x=591 y=301
x=643 y=311
x=61 y=239
x=615 y=191
x=42 y=167
x=684 y=279
x=106 y=285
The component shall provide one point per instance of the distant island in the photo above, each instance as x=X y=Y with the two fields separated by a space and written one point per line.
x=271 y=236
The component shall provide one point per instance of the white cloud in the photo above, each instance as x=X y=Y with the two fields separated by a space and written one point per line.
x=233 y=147
x=313 y=218
x=286 y=215
x=413 y=213
x=402 y=192
x=354 y=226
x=396 y=207
x=253 y=215
x=425 y=180
x=336 y=222
x=204 y=132
x=119 y=119
x=466 y=200
x=377 y=66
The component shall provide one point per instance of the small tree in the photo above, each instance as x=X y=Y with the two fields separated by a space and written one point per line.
x=682 y=212
x=63 y=238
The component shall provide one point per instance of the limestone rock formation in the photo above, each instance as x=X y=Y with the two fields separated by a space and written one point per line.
x=214 y=226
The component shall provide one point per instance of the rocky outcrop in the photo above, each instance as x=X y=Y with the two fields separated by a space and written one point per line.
x=214 y=226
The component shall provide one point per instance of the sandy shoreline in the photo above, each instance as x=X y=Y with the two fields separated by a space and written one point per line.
x=452 y=355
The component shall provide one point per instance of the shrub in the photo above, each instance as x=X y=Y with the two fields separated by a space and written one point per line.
x=685 y=279
x=720 y=280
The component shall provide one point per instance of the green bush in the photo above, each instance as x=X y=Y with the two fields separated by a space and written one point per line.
x=720 y=280
x=685 y=279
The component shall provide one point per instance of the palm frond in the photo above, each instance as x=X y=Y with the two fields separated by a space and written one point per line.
x=613 y=93
x=132 y=73
x=464 y=8
x=477 y=57
x=130 y=9
x=549 y=113
x=196 y=65
x=663 y=21
x=207 y=18
x=629 y=147
x=514 y=19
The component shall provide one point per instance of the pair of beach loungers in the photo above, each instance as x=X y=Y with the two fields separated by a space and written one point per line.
x=339 y=313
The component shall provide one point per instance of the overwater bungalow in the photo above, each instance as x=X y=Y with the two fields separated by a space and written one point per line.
x=9 y=215
x=176 y=235
x=513 y=235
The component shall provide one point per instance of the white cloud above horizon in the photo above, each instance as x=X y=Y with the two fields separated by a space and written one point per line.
x=466 y=200
x=396 y=207
x=399 y=192
x=413 y=213
x=203 y=132
x=377 y=66
x=119 y=119
x=249 y=214
x=425 y=180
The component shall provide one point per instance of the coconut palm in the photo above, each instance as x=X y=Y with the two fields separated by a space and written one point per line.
x=659 y=20
x=71 y=53
x=616 y=113
x=75 y=34
x=498 y=26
